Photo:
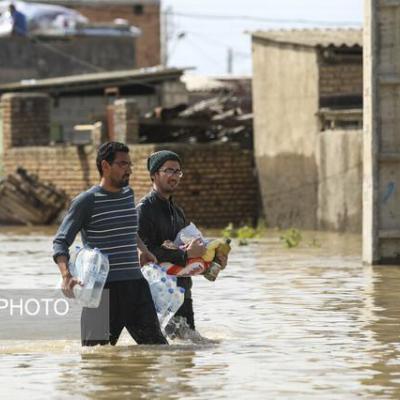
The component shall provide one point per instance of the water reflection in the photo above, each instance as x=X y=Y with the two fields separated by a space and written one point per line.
x=140 y=372
x=386 y=331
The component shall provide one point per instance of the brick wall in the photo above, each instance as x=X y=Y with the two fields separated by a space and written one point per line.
x=219 y=185
x=26 y=119
x=341 y=79
x=148 y=45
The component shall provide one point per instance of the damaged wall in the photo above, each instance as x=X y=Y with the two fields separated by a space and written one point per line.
x=219 y=185
x=285 y=103
x=295 y=77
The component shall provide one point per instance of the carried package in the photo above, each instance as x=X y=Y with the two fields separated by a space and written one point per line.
x=91 y=268
x=167 y=296
x=206 y=265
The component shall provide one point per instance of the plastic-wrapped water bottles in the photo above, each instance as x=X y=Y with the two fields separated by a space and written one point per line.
x=167 y=296
x=153 y=272
x=91 y=267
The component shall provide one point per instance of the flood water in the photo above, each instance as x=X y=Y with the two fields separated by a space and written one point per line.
x=305 y=323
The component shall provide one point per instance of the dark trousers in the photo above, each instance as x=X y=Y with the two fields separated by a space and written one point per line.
x=130 y=305
x=186 y=311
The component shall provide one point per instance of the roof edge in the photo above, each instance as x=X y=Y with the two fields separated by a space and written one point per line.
x=96 y=3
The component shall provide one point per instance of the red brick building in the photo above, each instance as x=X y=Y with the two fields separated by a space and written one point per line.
x=144 y=14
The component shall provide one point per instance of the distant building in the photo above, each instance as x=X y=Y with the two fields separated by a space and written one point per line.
x=307 y=104
x=144 y=14
x=88 y=98
x=49 y=56
x=201 y=87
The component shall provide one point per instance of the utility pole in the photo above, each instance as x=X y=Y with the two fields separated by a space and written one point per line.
x=165 y=34
x=229 y=68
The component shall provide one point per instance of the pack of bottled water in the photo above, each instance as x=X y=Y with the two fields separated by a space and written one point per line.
x=167 y=296
x=91 y=267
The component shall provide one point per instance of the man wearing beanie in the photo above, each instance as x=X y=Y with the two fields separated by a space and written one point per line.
x=160 y=219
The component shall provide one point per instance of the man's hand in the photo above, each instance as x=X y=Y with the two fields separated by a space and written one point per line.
x=196 y=248
x=146 y=257
x=68 y=283
x=221 y=259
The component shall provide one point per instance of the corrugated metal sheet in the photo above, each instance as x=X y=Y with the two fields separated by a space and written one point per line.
x=314 y=37
x=96 y=79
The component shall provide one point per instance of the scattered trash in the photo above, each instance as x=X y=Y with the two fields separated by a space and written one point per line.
x=219 y=118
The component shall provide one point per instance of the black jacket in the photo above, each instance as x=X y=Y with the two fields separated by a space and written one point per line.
x=160 y=220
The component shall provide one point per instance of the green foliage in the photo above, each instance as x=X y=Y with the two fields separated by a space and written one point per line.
x=229 y=231
x=243 y=233
x=291 y=238
x=247 y=232
x=315 y=243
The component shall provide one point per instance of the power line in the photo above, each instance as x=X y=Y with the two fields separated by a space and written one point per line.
x=66 y=55
x=209 y=39
x=262 y=19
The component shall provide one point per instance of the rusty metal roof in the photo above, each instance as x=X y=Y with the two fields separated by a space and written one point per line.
x=313 y=37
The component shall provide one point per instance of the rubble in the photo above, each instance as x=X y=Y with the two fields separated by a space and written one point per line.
x=219 y=118
x=27 y=201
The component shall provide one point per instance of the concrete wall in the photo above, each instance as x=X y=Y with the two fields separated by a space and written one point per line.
x=23 y=58
x=219 y=185
x=1 y=143
x=340 y=180
x=285 y=103
x=69 y=111
x=381 y=202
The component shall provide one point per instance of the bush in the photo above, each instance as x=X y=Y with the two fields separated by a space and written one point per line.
x=291 y=238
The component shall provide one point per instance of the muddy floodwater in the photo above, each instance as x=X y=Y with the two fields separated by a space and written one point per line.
x=306 y=323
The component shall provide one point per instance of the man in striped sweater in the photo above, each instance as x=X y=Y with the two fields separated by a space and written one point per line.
x=107 y=219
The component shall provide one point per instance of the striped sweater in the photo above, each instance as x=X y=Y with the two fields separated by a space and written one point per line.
x=108 y=221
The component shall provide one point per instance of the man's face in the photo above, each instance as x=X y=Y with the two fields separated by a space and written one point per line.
x=119 y=171
x=167 y=178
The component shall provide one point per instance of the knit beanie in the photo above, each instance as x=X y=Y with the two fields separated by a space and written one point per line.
x=157 y=159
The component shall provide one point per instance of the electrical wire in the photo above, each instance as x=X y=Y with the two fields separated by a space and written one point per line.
x=231 y=17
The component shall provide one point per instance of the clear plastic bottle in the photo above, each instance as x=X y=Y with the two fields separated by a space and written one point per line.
x=167 y=297
x=177 y=300
x=153 y=272
x=91 y=267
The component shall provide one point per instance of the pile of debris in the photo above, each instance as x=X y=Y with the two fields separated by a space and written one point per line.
x=27 y=201
x=219 y=118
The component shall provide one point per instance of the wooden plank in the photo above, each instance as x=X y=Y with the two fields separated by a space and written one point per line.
x=24 y=199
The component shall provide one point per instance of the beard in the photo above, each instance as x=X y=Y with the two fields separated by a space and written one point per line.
x=120 y=183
